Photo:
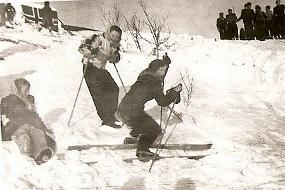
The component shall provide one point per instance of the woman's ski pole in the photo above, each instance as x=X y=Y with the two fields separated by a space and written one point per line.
x=79 y=88
x=159 y=144
x=120 y=78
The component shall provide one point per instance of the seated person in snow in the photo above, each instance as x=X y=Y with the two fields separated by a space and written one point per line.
x=148 y=86
x=23 y=125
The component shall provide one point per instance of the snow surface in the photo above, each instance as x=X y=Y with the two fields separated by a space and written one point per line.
x=237 y=104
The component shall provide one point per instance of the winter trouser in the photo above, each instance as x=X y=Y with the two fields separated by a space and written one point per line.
x=144 y=125
x=223 y=35
x=104 y=92
x=269 y=25
x=248 y=27
x=260 y=31
x=47 y=23
x=32 y=141
x=232 y=31
x=280 y=26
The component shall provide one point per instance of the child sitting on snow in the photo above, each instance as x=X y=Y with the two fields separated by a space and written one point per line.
x=148 y=86
x=23 y=125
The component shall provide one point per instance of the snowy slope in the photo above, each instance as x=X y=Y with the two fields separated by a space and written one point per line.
x=237 y=104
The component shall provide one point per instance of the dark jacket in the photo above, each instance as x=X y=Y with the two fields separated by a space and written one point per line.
x=231 y=18
x=146 y=88
x=16 y=111
x=221 y=24
x=47 y=13
x=247 y=16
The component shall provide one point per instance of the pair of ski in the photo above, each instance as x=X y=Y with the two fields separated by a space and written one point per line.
x=185 y=147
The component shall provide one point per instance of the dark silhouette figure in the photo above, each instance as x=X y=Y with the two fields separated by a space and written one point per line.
x=269 y=22
x=279 y=16
x=247 y=15
x=222 y=26
x=232 y=29
x=2 y=14
x=259 y=23
x=10 y=13
x=47 y=16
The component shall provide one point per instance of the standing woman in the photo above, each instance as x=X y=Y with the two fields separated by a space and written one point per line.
x=97 y=50
x=148 y=86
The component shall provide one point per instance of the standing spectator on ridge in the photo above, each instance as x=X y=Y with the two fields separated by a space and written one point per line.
x=247 y=17
x=97 y=50
x=259 y=23
x=2 y=14
x=10 y=13
x=279 y=15
x=232 y=26
x=222 y=26
x=47 y=16
x=269 y=22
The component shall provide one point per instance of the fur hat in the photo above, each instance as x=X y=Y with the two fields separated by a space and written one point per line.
x=156 y=64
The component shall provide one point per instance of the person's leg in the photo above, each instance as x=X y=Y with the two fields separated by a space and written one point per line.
x=22 y=138
x=110 y=98
x=41 y=152
x=236 y=31
x=149 y=130
x=95 y=89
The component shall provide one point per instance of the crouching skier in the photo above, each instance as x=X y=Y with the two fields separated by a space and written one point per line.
x=97 y=50
x=23 y=125
x=148 y=86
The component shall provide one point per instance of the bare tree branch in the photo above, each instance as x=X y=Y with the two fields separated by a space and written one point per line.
x=157 y=26
x=112 y=17
x=134 y=26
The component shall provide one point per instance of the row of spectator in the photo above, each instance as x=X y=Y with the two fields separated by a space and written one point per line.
x=258 y=24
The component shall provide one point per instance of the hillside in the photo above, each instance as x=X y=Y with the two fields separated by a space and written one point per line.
x=237 y=104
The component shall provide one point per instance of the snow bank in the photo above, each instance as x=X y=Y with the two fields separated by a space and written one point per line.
x=237 y=104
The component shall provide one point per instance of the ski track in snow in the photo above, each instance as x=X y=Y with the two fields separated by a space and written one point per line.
x=237 y=104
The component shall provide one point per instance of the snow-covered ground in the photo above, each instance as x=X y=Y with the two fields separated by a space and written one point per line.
x=237 y=104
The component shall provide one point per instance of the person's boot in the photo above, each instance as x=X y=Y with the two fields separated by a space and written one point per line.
x=131 y=140
x=146 y=155
x=112 y=124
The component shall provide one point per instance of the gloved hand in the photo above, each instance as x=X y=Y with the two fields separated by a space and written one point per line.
x=94 y=51
x=175 y=91
x=166 y=59
x=178 y=88
x=115 y=57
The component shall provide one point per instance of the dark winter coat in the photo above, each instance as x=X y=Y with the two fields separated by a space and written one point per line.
x=47 y=15
x=221 y=24
x=231 y=18
x=279 y=11
x=146 y=88
x=247 y=16
x=18 y=114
